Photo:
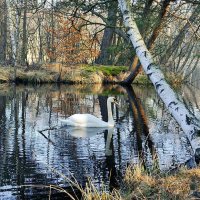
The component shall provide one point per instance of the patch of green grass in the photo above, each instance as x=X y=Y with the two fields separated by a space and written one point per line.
x=142 y=79
x=106 y=70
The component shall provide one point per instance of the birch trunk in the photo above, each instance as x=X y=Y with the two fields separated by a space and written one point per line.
x=136 y=68
x=188 y=122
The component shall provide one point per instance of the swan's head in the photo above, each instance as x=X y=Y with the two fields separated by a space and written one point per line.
x=112 y=100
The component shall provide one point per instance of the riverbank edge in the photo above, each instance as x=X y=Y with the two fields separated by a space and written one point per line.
x=82 y=74
x=177 y=183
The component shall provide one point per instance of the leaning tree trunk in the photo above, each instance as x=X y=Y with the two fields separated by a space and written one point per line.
x=157 y=30
x=188 y=122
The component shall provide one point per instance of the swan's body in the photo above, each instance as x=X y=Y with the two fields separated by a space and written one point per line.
x=84 y=132
x=88 y=120
x=84 y=120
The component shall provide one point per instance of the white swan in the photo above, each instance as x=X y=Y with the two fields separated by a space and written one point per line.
x=84 y=132
x=87 y=120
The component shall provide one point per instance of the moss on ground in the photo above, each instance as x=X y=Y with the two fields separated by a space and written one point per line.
x=106 y=70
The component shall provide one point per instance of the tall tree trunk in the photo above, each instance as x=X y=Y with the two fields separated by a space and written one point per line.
x=24 y=36
x=40 y=57
x=136 y=67
x=52 y=59
x=12 y=37
x=187 y=121
x=3 y=32
x=108 y=34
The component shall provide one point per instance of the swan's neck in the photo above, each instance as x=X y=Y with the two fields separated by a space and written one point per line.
x=110 y=116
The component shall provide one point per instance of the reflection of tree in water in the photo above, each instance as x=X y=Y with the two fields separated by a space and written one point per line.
x=15 y=164
x=172 y=145
x=103 y=107
x=162 y=141
x=3 y=138
x=145 y=146
x=110 y=163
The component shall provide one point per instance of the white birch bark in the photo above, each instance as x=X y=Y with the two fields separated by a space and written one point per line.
x=188 y=122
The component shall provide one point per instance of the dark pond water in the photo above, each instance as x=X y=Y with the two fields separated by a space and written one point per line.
x=36 y=150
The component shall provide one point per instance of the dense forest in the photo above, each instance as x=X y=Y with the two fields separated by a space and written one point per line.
x=72 y=32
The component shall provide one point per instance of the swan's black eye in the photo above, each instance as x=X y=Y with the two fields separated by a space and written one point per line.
x=115 y=99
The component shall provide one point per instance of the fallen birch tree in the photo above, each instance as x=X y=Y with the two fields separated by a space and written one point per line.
x=187 y=121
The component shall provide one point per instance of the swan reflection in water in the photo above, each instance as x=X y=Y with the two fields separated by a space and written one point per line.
x=89 y=132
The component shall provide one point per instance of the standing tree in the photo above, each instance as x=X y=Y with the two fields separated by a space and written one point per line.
x=3 y=31
x=108 y=34
x=24 y=34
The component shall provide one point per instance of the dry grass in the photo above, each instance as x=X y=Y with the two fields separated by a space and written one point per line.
x=175 y=80
x=53 y=73
x=139 y=185
x=185 y=184
x=92 y=193
x=5 y=74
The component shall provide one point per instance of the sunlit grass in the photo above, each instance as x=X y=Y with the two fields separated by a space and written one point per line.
x=83 y=74
x=140 y=184
x=5 y=73
x=89 y=74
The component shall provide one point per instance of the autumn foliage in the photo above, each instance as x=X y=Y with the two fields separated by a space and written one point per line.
x=72 y=44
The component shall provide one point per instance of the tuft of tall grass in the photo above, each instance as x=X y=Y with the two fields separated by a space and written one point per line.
x=142 y=184
x=5 y=74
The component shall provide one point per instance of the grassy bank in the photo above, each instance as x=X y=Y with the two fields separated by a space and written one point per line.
x=54 y=73
x=184 y=184
x=140 y=184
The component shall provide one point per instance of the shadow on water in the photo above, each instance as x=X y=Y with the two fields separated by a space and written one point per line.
x=36 y=150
